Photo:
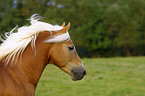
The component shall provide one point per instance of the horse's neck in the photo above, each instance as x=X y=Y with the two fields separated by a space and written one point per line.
x=33 y=62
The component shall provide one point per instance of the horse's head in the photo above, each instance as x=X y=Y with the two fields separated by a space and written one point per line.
x=64 y=56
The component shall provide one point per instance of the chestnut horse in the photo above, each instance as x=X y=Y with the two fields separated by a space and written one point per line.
x=24 y=55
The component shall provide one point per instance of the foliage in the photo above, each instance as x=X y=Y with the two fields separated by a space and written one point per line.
x=103 y=28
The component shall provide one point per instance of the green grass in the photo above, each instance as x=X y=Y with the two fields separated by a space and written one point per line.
x=105 y=77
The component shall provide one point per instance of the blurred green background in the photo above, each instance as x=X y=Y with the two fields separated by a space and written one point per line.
x=105 y=77
x=99 y=28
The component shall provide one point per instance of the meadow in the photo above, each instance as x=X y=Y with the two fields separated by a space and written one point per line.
x=119 y=76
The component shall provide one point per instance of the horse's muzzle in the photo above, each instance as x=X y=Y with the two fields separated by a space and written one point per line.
x=78 y=73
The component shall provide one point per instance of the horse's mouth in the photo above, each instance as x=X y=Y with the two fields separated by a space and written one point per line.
x=77 y=73
x=76 y=78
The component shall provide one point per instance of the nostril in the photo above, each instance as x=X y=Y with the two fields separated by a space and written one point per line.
x=75 y=73
x=84 y=73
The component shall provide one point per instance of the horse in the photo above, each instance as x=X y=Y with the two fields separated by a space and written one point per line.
x=25 y=53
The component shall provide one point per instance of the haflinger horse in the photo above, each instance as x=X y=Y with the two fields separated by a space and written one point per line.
x=25 y=53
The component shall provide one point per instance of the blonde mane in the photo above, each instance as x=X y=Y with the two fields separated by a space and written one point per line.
x=15 y=43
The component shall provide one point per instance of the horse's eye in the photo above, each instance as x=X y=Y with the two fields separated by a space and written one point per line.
x=71 y=48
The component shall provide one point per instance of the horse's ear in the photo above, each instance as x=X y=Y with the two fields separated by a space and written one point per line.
x=63 y=24
x=65 y=29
